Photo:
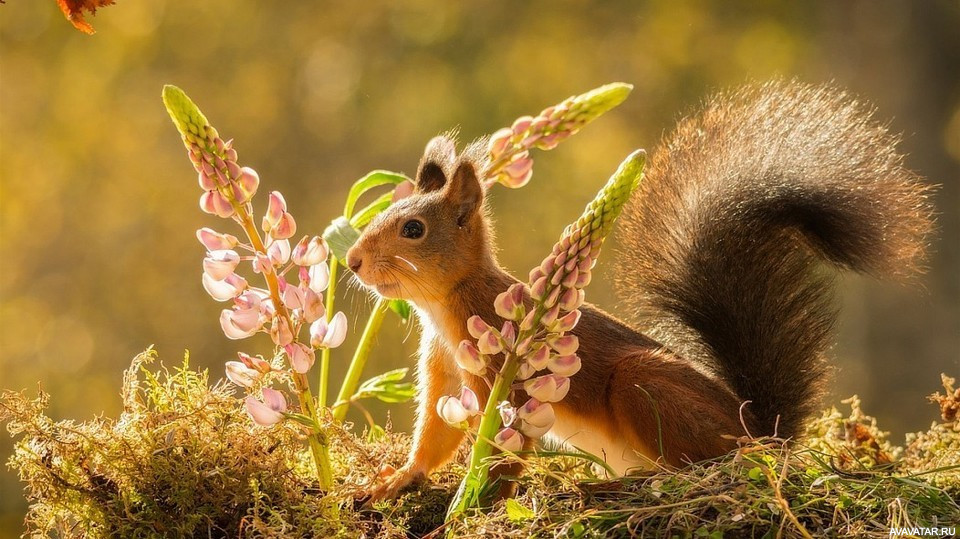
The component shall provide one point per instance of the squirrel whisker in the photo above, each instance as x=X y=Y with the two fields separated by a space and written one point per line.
x=407 y=261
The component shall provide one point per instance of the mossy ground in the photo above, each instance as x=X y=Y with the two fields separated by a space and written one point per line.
x=184 y=460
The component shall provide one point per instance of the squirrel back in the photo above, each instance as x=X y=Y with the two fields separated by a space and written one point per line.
x=721 y=243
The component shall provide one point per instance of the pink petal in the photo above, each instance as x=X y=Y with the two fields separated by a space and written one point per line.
x=468 y=358
x=215 y=241
x=469 y=401
x=274 y=399
x=225 y=289
x=509 y=439
x=336 y=331
x=309 y=251
x=564 y=345
x=276 y=207
x=280 y=331
x=240 y=374
x=285 y=228
x=477 y=327
x=451 y=410
x=262 y=414
x=279 y=252
x=312 y=305
x=319 y=277
x=564 y=365
x=301 y=357
x=221 y=263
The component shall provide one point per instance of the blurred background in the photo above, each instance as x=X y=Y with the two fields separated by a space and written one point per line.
x=98 y=203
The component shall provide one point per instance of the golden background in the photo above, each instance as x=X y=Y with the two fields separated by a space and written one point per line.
x=98 y=203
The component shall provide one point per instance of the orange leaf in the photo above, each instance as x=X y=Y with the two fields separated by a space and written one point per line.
x=73 y=11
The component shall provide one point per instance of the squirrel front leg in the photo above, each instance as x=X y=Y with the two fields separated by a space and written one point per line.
x=434 y=442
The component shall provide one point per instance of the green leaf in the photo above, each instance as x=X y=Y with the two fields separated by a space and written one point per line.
x=375 y=434
x=303 y=420
x=519 y=513
x=341 y=236
x=755 y=474
x=387 y=387
x=401 y=307
x=364 y=216
x=364 y=184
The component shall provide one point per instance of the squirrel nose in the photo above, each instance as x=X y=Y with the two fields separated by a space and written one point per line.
x=354 y=261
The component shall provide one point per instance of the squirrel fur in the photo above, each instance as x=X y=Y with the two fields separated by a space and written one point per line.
x=720 y=248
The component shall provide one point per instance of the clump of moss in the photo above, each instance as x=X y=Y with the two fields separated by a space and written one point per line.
x=184 y=460
x=937 y=451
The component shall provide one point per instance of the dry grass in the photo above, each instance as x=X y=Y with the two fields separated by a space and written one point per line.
x=183 y=460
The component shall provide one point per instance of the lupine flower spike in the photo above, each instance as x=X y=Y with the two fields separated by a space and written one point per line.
x=509 y=148
x=540 y=351
x=283 y=309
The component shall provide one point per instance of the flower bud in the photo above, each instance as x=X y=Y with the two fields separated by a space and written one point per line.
x=240 y=374
x=509 y=440
x=215 y=241
x=477 y=327
x=509 y=334
x=233 y=170
x=520 y=166
x=583 y=279
x=280 y=332
x=524 y=346
x=207 y=183
x=276 y=207
x=301 y=356
x=564 y=365
x=313 y=308
x=525 y=370
x=572 y=299
x=309 y=251
x=499 y=142
x=469 y=359
x=547 y=388
x=455 y=411
x=521 y=125
x=507 y=306
x=402 y=191
x=214 y=203
x=270 y=411
x=539 y=288
x=550 y=316
x=489 y=344
x=469 y=401
x=563 y=344
x=247 y=183
x=225 y=289
x=536 y=418
x=221 y=263
x=239 y=324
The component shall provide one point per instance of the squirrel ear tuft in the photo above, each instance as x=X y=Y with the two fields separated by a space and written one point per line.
x=439 y=155
x=465 y=191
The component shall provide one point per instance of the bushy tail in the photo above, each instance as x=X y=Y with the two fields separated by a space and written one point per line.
x=722 y=239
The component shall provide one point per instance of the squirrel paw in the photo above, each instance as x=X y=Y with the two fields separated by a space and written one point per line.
x=390 y=482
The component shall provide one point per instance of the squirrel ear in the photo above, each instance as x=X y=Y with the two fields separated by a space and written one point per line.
x=465 y=191
x=439 y=154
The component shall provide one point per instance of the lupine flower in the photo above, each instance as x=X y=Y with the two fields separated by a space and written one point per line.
x=509 y=439
x=547 y=388
x=219 y=264
x=477 y=327
x=255 y=363
x=331 y=334
x=509 y=148
x=309 y=251
x=240 y=374
x=280 y=332
x=564 y=365
x=489 y=344
x=318 y=277
x=279 y=224
x=270 y=411
x=313 y=308
x=509 y=304
x=507 y=413
x=279 y=252
x=239 y=324
x=563 y=344
x=226 y=289
x=536 y=418
x=455 y=411
x=301 y=356
x=292 y=296
x=469 y=358
x=215 y=241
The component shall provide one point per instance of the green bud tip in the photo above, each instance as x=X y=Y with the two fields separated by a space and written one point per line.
x=184 y=112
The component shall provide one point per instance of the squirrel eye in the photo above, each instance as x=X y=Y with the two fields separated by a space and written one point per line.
x=412 y=229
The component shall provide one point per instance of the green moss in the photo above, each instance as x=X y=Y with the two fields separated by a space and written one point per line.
x=184 y=460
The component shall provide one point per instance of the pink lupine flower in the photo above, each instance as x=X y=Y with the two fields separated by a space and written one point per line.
x=402 y=191
x=270 y=411
x=313 y=307
x=564 y=365
x=292 y=296
x=509 y=439
x=456 y=411
x=214 y=203
x=246 y=185
x=536 y=418
x=240 y=374
x=276 y=207
x=566 y=323
x=262 y=264
x=507 y=413
x=255 y=363
x=489 y=344
x=279 y=252
x=280 y=331
x=509 y=334
x=318 y=277
x=329 y=335
x=547 y=388
x=564 y=344
x=526 y=370
x=469 y=359
x=239 y=324
x=215 y=241
x=218 y=264
x=301 y=356
x=509 y=304
x=309 y=251
x=286 y=228
x=477 y=327
x=539 y=357
x=226 y=289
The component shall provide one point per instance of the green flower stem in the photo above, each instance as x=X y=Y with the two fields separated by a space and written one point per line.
x=352 y=380
x=325 y=353
x=317 y=440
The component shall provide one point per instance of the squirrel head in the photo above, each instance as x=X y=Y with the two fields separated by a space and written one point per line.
x=424 y=245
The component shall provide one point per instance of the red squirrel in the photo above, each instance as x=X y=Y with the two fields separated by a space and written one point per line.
x=720 y=247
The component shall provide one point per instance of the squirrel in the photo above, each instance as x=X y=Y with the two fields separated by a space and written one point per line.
x=719 y=262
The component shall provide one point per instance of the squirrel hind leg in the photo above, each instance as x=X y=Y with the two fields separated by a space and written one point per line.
x=672 y=411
